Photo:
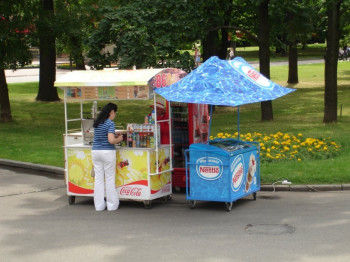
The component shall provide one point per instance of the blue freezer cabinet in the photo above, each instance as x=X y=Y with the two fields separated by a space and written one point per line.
x=223 y=170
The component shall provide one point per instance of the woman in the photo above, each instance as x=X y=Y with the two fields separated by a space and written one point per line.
x=104 y=158
x=197 y=56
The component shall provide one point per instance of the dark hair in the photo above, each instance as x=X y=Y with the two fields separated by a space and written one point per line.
x=104 y=114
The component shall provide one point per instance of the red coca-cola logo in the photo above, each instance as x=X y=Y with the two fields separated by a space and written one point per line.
x=130 y=191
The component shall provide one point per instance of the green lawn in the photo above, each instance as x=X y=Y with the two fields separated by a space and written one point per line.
x=35 y=135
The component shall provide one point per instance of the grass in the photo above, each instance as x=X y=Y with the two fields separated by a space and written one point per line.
x=35 y=135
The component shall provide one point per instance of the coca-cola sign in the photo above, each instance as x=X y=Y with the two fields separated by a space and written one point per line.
x=130 y=191
x=209 y=168
x=237 y=170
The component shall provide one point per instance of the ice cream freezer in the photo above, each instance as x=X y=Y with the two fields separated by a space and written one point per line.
x=224 y=170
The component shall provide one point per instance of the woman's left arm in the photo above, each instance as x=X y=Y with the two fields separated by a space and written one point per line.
x=112 y=139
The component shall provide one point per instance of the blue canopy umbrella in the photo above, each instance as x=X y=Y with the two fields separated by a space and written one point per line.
x=223 y=82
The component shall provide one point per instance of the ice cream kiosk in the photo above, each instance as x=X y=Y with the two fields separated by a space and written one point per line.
x=223 y=170
x=144 y=165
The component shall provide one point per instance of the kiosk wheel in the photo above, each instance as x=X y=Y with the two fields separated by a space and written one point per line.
x=192 y=204
x=229 y=206
x=254 y=195
x=164 y=199
x=71 y=200
x=147 y=204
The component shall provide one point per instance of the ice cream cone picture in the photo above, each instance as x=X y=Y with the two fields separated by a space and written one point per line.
x=126 y=174
x=251 y=172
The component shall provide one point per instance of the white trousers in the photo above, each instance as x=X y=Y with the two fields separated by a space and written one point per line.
x=104 y=166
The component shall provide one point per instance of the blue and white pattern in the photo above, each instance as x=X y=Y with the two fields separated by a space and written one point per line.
x=223 y=82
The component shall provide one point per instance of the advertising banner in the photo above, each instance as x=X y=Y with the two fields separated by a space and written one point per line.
x=80 y=165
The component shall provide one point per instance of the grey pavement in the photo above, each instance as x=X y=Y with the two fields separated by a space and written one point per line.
x=23 y=75
x=38 y=224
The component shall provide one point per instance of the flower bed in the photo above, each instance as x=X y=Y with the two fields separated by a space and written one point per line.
x=286 y=147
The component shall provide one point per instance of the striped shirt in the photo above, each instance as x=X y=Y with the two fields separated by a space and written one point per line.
x=101 y=136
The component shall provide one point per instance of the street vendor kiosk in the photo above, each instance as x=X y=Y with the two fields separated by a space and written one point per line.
x=223 y=170
x=144 y=165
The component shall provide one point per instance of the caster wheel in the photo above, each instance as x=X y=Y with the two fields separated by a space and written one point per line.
x=71 y=200
x=164 y=199
x=254 y=196
x=229 y=206
x=147 y=204
x=192 y=204
x=169 y=197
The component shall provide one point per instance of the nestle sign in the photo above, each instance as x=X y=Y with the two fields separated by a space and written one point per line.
x=209 y=168
x=237 y=169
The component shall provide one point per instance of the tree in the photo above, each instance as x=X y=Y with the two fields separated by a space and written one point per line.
x=75 y=23
x=145 y=34
x=15 y=27
x=47 y=48
x=331 y=63
x=264 y=54
x=291 y=24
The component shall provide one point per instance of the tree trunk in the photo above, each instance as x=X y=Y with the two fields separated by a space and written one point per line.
x=293 y=64
x=209 y=45
x=264 y=54
x=331 y=63
x=80 y=63
x=77 y=54
x=47 y=75
x=224 y=44
x=5 y=109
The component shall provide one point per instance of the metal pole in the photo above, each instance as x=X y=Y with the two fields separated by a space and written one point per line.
x=238 y=122
x=211 y=113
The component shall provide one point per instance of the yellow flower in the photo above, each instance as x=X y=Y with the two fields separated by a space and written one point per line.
x=325 y=148
x=263 y=148
x=300 y=134
x=299 y=159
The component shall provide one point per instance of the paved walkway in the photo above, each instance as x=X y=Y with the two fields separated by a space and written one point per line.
x=38 y=224
x=32 y=74
x=277 y=186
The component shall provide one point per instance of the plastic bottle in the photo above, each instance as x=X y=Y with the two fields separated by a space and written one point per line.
x=134 y=139
x=153 y=116
x=130 y=140
x=148 y=140
x=151 y=141
x=137 y=140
